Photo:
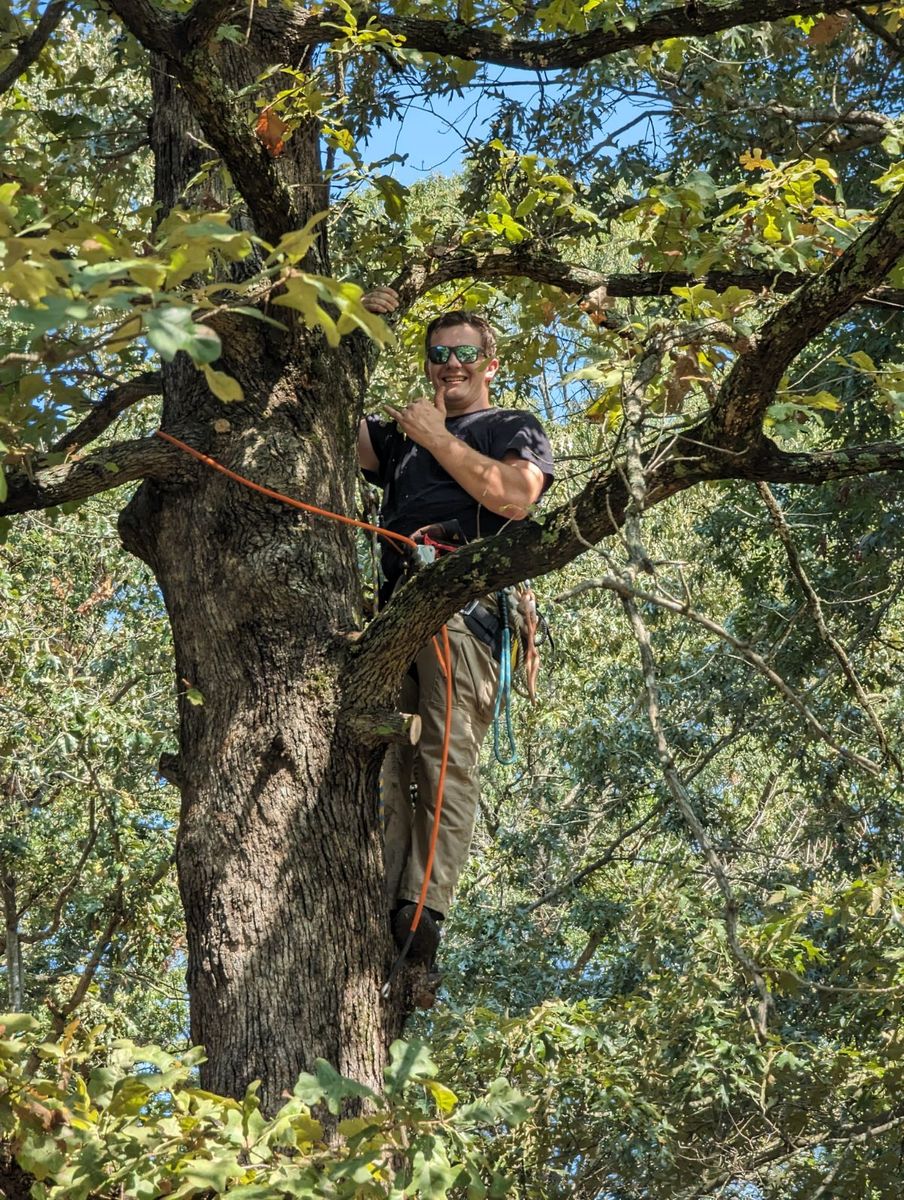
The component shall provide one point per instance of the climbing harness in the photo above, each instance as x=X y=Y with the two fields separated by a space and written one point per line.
x=444 y=653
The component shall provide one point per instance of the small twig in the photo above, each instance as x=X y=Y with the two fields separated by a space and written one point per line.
x=815 y=605
x=598 y=863
x=875 y=26
x=67 y=889
x=622 y=589
x=680 y=795
x=90 y=969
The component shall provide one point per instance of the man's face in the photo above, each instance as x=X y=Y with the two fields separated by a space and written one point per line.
x=466 y=386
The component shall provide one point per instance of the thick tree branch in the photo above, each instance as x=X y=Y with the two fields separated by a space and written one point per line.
x=751 y=385
x=35 y=487
x=32 y=46
x=535 y=548
x=105 y=412
x=201 y=21
x=298 y=29
x=254 y=172
x=853 y=118
x=530 y=262
x=155 y=29
x=220 y=114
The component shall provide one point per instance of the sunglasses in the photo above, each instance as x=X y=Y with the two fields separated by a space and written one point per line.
x=439 y=355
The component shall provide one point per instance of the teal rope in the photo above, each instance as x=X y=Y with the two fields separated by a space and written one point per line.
x=504 y=691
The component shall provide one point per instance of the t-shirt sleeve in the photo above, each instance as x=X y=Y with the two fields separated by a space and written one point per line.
x=522 y=433
x=381 y=435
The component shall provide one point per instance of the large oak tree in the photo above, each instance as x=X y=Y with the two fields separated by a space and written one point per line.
x=230 y=277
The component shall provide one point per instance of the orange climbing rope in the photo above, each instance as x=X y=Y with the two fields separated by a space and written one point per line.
x=444 y=655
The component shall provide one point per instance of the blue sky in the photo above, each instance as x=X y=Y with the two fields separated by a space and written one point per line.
x=433 y=131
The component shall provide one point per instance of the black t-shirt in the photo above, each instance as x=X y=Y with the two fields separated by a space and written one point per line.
x=417 y=491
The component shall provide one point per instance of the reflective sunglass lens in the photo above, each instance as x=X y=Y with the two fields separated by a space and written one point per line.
x=441 y=354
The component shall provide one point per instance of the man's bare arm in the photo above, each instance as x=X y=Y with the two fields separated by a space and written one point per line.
x=508 y=487
x=367 y=456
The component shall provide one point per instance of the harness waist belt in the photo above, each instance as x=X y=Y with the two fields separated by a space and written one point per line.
x=484 y=622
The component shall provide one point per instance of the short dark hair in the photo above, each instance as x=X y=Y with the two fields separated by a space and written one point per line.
x=464 y=317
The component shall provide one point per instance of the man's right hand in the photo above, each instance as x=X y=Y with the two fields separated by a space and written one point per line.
x=382 y=301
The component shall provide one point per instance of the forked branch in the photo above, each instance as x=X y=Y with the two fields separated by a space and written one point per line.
x=105 y=412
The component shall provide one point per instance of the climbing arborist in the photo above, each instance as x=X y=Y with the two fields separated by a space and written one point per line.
x=454 y=467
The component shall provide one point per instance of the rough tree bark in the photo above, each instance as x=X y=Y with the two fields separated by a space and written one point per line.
x=279 y=851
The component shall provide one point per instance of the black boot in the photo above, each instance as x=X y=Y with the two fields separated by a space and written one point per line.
x=426 y=937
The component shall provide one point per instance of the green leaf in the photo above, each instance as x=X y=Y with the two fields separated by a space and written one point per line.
x=101 y=1084
x=229 y=33
x=43 y=1159
x=17 y=1023
x=328 y=1086
x=171 y=329
x=501 y=1103
x=432 y=1175
x=394 y=194
x=193 y=696
x=407 y=1061
x=211 y=1173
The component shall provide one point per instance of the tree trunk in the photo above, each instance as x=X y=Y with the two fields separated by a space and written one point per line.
x=279 y=849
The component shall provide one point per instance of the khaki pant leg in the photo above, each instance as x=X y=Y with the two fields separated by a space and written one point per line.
x=474 y=678
x=395 y=787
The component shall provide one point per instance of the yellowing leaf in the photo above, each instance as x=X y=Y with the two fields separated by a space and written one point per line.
x=150 y=274
x=445 y=1098
x=302 y=294
x=28 y=281
x=223 y=386
x=296 y=244
x=126 y=333
x=753 y=160
x=861 y=359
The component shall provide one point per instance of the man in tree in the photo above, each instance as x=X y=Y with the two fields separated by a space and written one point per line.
x=453 y=459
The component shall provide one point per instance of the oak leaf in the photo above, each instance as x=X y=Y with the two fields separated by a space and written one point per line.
x=827 y=29
x=271 y=130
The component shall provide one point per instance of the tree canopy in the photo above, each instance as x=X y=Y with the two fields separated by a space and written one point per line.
x=674 y=967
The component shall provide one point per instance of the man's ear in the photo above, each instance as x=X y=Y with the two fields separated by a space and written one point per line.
x=491 y=368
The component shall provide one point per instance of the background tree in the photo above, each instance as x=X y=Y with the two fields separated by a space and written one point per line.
x=747 y=269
